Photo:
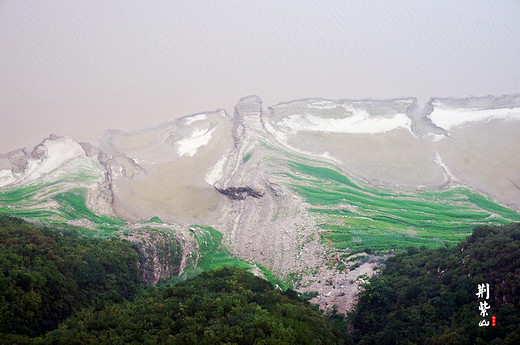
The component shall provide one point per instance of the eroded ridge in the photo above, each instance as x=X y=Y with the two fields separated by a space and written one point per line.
x=316 y=191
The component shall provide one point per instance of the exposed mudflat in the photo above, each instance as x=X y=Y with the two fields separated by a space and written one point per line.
x=486 y=157
x=395 y=158
x=471 y=141
x=171 y=163
x=231 y=172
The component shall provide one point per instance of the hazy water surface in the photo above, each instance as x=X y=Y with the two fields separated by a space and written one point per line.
x=79 y=67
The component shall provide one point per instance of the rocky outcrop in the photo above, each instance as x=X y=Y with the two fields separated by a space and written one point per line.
x=158 y=260
x=163 y=251
x=240 y=193
x=176 y=171
x=265 y=222
x=247 y=133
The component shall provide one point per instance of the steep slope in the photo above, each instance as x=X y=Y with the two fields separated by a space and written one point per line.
x=227 y=305
x=60 y=180
x=69 y=186
x=431 y=296
x=46 y=276
x=317 y=191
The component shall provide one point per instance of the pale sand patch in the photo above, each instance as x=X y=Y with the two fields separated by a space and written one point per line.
x=199 y=137
x=6 y=177
x=216 y=172
x=447 y=173
x=55 y=153
x=359 y=122
x=486 y=156
x=323 y=104
x=448 y=118
x=56 y=156
x=436 y=137
x=340 y=109
x=190 y=119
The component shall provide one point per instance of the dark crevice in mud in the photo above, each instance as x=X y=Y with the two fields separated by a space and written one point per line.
x=239 y=193
x=514 y=184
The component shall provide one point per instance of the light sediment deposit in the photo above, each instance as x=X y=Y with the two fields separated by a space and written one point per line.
x=310 y=194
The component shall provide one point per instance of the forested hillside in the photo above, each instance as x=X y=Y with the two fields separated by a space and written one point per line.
x=45 y=275
x=86 y=288
x=224 y=306
x=59 y=288
x=430 y=296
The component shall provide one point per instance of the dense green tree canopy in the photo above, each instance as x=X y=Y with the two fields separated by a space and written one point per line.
x=87 y=287
x=224 y=306
x=59 y=288
x=45 y=275
x=429 y=296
